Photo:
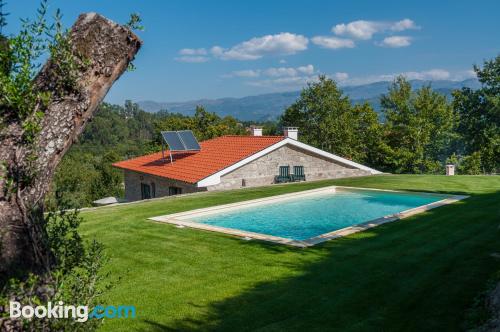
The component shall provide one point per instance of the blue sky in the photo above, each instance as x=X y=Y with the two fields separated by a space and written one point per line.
x=212 y=49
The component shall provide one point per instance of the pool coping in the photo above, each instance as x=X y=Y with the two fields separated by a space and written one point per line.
x=181 y=219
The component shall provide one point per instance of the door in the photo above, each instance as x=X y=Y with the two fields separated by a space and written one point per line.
x=145 y=191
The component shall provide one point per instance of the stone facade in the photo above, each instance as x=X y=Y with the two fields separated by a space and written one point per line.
x=161 y=185
x=262 y=171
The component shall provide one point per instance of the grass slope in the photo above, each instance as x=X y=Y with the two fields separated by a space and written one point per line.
x=421 y=273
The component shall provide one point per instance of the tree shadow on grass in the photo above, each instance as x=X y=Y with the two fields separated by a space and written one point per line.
x=421 y=273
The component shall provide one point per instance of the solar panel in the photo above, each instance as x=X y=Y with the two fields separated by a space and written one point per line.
x=173 y=140
x=189 y=140
x=183 y=140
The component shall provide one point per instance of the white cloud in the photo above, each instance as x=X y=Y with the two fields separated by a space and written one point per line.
x=357 y=29
x=193 y=51
x=405 y=24
x=245 y=73
x=278 y=78
x=284 y=43
x=290 y=78
x=340 y=76
x=365 y=30
x=217 y=51
x=395 y=41
x=192 y=58
x=425 y=75
x=273 y=72
x=283 y=83
x=289 y=71
x=282 y=71
x=282 y=61
x=464 y=74
x=431 y=75
x=333 y=42
x=308 y=70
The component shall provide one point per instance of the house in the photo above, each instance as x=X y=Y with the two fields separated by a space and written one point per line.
x=231 y=162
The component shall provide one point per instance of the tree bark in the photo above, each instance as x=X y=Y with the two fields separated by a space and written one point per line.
x=108 y=48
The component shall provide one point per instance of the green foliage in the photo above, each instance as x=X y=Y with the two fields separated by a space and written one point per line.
x=466 y=165
x=4 y=57
x=65 y=65
x=369 y=131
x=21 y=99
x=116 y=133
x=76 y=280
x=418 y=130
x=328 y=121
x=471 y=164
x=205 y=125
x=134 y=22
x=109 y=180
x=85 y=173
x=63 y=238
x=479 y=116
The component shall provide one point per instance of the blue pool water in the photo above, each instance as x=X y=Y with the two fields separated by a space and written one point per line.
x=310 y=216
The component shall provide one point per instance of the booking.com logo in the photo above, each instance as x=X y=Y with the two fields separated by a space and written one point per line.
x=79 y=313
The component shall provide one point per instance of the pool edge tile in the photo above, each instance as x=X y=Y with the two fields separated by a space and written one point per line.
x=174 y=218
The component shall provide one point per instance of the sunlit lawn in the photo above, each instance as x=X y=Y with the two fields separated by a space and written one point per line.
x=421 y=273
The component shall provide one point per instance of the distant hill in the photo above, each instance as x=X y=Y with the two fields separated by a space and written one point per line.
x=270 y=106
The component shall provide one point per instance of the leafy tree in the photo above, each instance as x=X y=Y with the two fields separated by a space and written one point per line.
x=71 y=185
x=418 y=128
x=207 y=125
x=478 y=112
x=42 y=110
x=329 y=121
x=109 y=180
x=369 y=132
x=470 y=164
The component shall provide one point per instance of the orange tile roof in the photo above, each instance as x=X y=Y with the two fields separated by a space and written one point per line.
x=215 y=155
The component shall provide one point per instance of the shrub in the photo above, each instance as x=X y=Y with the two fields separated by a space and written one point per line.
x=76 y=279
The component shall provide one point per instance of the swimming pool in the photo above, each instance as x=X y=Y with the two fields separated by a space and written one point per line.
x=309 y=217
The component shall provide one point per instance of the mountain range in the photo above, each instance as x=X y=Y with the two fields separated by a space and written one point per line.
x=271 y=105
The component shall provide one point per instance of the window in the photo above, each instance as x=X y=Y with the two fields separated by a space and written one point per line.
x=284 y=171
x=174 y=191
x=153 y=190
x=284 y=175
x=145 y=191
x=298 y=173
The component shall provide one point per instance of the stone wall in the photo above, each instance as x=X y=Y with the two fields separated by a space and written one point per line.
x=262 y=171
x=133 y=182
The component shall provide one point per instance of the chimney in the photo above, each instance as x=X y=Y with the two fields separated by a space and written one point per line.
x=256 y=131
x=291 y=132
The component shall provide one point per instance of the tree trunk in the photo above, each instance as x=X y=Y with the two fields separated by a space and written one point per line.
x=108 y=48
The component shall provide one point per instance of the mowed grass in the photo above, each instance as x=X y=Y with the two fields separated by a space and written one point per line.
x=420 y=273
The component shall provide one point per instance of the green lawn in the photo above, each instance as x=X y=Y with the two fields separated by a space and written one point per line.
x=421 y=273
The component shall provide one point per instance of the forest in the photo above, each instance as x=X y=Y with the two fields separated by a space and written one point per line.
x=417 y=132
